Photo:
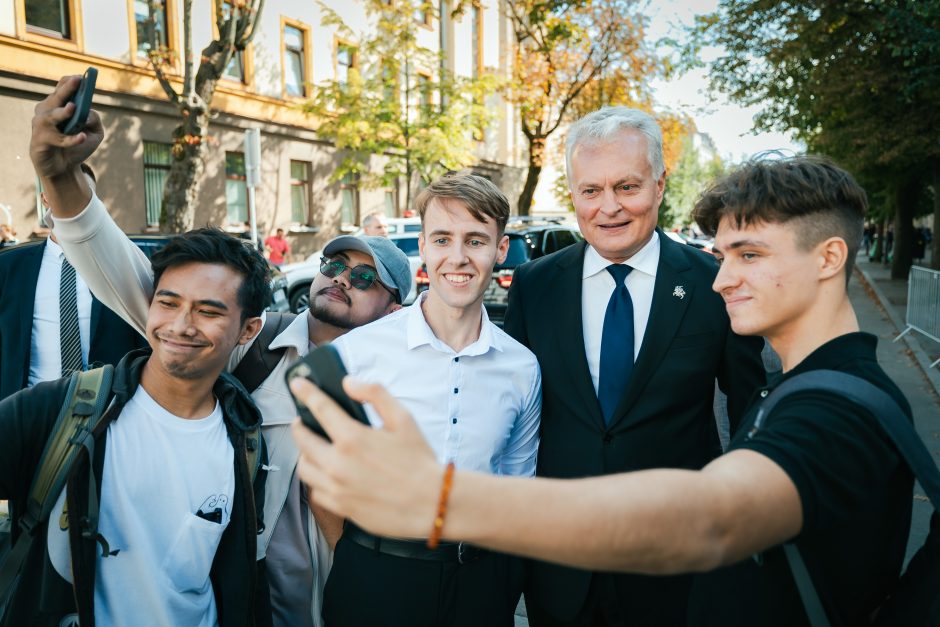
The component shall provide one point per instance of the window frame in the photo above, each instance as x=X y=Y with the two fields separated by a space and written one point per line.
x=172 y=36
x=353 y=185
x=248 y=66
x=154 y=166
x=305 y=58
x=75 y=41
x=305 y=184
x=234 y=177
x=339 y=42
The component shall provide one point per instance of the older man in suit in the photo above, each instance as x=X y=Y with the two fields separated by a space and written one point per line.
x=50 y=324
x=631 y=339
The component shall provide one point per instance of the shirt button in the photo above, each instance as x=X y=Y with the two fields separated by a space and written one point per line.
x=456 y=359
x=764 y=393
x=455 y=390
x=454 y=421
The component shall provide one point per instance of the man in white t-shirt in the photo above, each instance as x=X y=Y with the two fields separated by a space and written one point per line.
x=174 y=538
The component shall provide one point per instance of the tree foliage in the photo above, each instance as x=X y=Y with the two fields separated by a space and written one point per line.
x=236 y=22
x=856 y=79
x=690 y=176
x=399 y=104
x=573 y=56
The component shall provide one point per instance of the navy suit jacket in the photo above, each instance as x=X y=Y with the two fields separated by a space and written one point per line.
x=111 y=337
x=665 y=418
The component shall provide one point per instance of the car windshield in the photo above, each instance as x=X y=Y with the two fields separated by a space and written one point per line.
x=408 y=245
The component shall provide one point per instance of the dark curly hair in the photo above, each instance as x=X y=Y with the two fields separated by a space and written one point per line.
x=212 y=245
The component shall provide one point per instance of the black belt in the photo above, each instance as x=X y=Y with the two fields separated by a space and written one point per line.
x=414 y=549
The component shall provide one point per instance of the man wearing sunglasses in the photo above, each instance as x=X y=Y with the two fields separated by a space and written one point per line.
x=361 y=280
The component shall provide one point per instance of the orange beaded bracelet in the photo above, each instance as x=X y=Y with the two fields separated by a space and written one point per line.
x=435 y=538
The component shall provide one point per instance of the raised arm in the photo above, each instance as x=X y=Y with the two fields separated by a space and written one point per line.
x=656 y=521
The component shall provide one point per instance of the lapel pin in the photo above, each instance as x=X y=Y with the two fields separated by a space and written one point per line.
x=678 y=292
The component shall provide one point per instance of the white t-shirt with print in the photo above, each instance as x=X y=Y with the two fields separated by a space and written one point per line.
x=159 y=471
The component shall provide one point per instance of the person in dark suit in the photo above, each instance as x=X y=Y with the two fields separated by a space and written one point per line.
x=30 y=349
x=631 y=339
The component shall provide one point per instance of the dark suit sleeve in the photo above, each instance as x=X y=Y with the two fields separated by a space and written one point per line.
x=740 y=374
x=514 y=319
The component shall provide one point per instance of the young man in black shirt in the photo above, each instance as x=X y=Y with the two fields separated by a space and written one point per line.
x=819 y=473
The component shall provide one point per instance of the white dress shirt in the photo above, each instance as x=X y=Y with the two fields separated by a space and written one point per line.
x=479 y=407
x=596 y=287
x=45 y=356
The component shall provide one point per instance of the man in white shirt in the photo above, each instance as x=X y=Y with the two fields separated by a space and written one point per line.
x=476 y=394
x=374 y=279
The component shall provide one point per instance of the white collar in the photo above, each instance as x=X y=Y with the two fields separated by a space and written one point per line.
x=296 y=335
x=646 y=260
x=420 y=333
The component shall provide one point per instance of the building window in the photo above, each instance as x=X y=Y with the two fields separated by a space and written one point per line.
x=349 y=190
x=236 y=189
x=235 y=69
x=299 y=191
x=146 y=25
x=157 y=160
x=423 y=12
x=295 y=71
x=425 y=98
x=346 y=59
x=49 y=17
x=390 y=209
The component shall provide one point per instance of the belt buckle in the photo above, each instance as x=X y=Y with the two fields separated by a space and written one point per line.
x=460 y=553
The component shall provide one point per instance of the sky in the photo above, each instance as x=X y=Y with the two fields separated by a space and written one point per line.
x=728 y=125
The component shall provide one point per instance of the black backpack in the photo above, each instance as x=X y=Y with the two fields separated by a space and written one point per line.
x=915 y=601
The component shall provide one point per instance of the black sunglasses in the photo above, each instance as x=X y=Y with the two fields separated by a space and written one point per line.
x=361 y=277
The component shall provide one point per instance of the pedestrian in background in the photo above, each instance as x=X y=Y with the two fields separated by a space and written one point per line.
x=278 y=248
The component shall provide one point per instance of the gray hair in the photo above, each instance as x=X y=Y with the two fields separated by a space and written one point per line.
x=602 y=125
x=372 y=217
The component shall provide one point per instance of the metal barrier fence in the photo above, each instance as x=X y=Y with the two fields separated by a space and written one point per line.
x=923 y=304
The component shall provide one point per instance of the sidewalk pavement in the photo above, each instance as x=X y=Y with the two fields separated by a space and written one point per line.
x=880 y=303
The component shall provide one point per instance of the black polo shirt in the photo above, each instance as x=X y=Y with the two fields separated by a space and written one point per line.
x=856 y=494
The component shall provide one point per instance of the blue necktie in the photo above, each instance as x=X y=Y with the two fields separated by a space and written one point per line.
x=616 y=344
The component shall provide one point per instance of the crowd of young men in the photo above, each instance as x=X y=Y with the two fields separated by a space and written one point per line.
x=611 y=354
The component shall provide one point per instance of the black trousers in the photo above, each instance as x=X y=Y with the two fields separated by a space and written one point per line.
x=368 y=588
x=616 y=600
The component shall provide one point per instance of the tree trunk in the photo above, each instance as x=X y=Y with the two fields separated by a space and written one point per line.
x=536 y=162
x=901 y=256
x=935 y=244
x=178 y=210
x=879 y=251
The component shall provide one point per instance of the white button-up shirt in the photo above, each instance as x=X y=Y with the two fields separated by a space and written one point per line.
x=479 y=407
x=45 y=356
x=596 y=287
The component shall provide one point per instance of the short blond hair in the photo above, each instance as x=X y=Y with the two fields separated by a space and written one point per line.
x=480 y=195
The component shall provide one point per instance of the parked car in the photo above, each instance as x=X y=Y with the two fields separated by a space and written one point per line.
x=528 y=239
x=300 y=275
x=149 y=243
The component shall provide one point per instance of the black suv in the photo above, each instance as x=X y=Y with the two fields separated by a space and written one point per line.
x=150 y=243
x=529 y=238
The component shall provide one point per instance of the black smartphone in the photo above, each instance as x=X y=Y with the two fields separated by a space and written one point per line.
x=324 y=368
x=82 y=99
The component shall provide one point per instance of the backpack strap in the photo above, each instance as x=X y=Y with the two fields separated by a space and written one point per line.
x=260 y=359
x=892 y=420
x=74 y=431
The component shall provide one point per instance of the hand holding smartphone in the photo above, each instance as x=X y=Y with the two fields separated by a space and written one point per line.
x=82 y=99
x=324 y=368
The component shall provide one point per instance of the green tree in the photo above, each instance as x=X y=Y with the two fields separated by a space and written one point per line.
x=685 y=182
x=855 y=79
x=591 y=50
x=397 y=104
x=236 y=22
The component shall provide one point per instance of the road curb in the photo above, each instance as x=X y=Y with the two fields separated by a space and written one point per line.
x=911 y=340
